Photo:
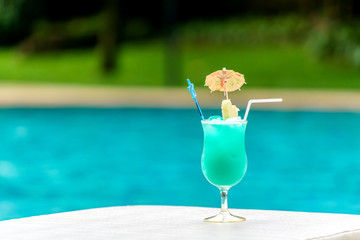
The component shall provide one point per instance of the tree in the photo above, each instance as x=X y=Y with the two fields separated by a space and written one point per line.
x=108 y=36
x=172 y=46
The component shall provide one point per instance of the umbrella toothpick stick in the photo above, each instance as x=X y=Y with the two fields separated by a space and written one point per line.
x=225 y=84
x=193 y=95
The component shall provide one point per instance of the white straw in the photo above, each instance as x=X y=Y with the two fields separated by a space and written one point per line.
x=259 y=101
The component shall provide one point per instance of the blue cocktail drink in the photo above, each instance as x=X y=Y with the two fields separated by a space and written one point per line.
x=224 y=159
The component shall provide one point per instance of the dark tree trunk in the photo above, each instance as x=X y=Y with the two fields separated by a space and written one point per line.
x=108 y=36
x=172 y=46
x=331 y=9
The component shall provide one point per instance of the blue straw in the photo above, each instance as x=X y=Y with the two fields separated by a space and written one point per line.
x=193 y=95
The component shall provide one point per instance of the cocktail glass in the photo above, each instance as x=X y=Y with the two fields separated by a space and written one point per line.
x=224 y=161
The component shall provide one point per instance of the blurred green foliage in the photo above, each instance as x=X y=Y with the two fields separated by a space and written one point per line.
x=245 y=31
x=20 y=18
x=336 y=40
x=75 y=33
x=285 y=51
x=324 y=37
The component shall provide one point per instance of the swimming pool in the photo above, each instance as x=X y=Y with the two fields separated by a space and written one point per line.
x=55 y=160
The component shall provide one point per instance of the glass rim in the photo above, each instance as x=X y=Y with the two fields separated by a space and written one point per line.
x=223 y=122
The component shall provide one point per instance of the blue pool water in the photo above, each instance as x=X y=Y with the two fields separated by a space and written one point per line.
x=54 y=160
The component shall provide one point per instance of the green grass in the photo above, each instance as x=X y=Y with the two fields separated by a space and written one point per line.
x=143 y=65
x=137 y=65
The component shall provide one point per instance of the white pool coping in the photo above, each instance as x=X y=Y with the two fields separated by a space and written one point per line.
x=168 y=222
x=111 y=96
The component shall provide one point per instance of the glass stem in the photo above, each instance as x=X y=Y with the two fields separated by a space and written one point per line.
x=224 y=203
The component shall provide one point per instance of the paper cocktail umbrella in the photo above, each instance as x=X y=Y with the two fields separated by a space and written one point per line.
x=225 y=81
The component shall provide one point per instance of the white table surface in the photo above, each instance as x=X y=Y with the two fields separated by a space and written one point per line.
x=167 y=222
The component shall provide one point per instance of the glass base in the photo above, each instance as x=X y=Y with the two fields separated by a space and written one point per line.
x=224 y=217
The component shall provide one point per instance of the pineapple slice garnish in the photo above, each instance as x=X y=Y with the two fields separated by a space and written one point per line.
x=228 y=110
